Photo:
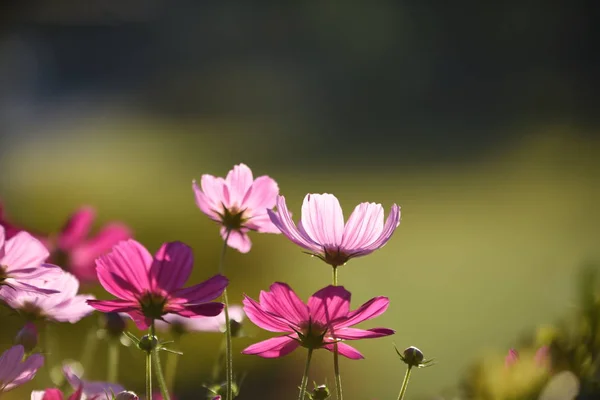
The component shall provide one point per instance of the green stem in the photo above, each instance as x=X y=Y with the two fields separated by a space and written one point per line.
x=149 y=375
x=171 y=367
x=229 y=344
x=89 y=350
x=305 y=376
x=404 y=384
x=160 y=378
x=113 y=360
x=336 y=369
x=216 y=370
x=335 y=278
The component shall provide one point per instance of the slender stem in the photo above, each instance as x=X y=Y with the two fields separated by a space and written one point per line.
x=336 y=369
x=216 y=370
x=149 y=375
x=89 y=350
x=305 y=376
x=229 y=344
x=113 y=360
x=404 y=384
x=171 y=367
x=335 y=278
x=159 y=375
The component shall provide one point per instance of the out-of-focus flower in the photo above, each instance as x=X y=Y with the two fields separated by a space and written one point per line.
x=75 y=251
x=91 y=389
x=148 y=288
x=127 y=396
x=15 y=371
x=63 y=306
x=322 y=232
x=325 y=320
x=27 y=337
x=511 y=358
x=238 y=203
x=56 y=394
x=21 y=260
x=114 y=324
x=541 y=357
x=181 y=324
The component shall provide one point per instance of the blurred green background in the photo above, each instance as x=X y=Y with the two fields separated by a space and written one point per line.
x=479 y=121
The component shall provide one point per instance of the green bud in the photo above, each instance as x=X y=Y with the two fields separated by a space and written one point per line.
x=320 y=392
x=148 y=343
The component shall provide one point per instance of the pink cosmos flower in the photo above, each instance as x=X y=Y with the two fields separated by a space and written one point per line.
x=148 y=288
x=63 y=306
x=325 y=320
x=207 y=324
x=76 y=252
x=56 y=394
x=322 y=232
x=22 y=260
x=238 y=203
x=15 y=371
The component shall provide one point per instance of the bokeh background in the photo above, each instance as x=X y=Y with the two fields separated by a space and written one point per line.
x=479 y=119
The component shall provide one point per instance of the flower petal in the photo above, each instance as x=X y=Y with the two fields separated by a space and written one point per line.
x=371 y=309
x=363 y=227
x=72 y=310
x=26 y=371
x=9 y=365
x=346 y=351
x=77 y=228
x=264 y=319
x=23 y=251
x=329 y=304
x=199 y=310
x=272 y=348
x=203 y=292
x=113 y=305
x=205 y=204
x=354 y=334
x=238 y=240
x=171 y=267
x=392 y=222
x=263 y=195
x=239 y=181
x=322 y=219
x=282 y=301
x=215 y=191
x=282 y=219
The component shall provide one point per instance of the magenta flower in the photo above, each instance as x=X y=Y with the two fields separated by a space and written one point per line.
x=56 y=394
x=207 y=324
x=238 y=203
x=148 y=288
x=14 y=371
x=325 y=320
x=22 y=260
x=74 y=251
x=63 y=306
x=322 y=232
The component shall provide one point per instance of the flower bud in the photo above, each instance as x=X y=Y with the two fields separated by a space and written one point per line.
x=148 y=343
x=236 y=328
x=27 y=337
x=320 y=392
x=126 y=396
x=114 y=324
x=413 y=356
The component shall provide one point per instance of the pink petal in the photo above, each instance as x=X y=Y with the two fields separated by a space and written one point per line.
x=354 y=334
x=329 y=304
x=23 y=251
x=203 y=292
x=238 y=240
x=171 y=267
x=76 y=229
x=511 y=358
x=392 y=222
x=78 y=394
x=322 y=219
x=282 y=301
x=272 y=348
x=72 y=310
x=124 y=271
x=262 y=223
x=26 y=371
x=49 y=394
x=140 y=320
x=199 y=310
x=363 y=227
x=206 y=205
x=264 y=319
x=282 y=219
x=262 y=196
x=371 y=309
x=346 y=351
x=9 y=364
x=239 y=181
x=113 y=305
x=215 y=191
x=2 y=239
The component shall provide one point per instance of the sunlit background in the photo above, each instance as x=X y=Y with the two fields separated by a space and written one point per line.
x=479 y=120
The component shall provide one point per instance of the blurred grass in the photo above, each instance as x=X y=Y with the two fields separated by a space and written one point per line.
x=485 y=251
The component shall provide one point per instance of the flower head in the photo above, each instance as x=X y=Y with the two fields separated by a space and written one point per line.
x=65 y=305
x=76 y=251
x=322 y=232
x=21 y=260
x=178 y=323
x=149 y=287
x=238 y=203
x=15 y=371
x=325 y=320
x=56 y=394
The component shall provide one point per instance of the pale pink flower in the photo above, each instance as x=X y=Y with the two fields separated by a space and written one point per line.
x=22 y=260
x=14 y=371
x=206 y=324
x=325 y=320
x=76 y=251
x=63 y=306
x=91 y=389
x=148 y=288
x=238 y=203
x=322 y=232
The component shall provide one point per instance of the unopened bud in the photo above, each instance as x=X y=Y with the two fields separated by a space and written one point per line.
x=320 y=392
x=127 y=396
x=413 y=357
x=114 y=324
x=148 y=343
x=27 y=337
